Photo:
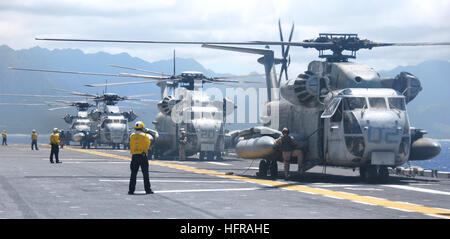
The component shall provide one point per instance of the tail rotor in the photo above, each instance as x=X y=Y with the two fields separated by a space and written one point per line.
x=285 y=53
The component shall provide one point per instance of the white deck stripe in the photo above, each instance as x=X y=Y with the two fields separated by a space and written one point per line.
x=224 y=164
x=171 y=181
x=208 y=190
x=424 y=190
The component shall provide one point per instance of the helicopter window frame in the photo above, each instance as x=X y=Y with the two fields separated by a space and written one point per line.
x=402 y=106
x=331 y=108
x=346 y=106
x=374 y=105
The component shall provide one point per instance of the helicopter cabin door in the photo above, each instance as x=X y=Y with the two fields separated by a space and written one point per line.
x=333 y=130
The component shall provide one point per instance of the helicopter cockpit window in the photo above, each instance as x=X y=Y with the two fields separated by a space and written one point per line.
x=354 y=103
x=397 y=103
x=377 y=103
x=331 y=108
x=337 y=116
x=351 y=125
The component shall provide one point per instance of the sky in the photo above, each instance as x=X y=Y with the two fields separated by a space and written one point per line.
x=230 y=20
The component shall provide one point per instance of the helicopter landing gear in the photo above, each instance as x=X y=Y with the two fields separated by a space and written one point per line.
x=268 y=166
x=374 y=173
x=210 y=155
x=218 y=155
x=273 y=168
x=263 y=167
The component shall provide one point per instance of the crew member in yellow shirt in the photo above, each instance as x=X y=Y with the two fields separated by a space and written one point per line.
x=139 y=144
x=4 y=136
x=54 y=142
x=34 y=137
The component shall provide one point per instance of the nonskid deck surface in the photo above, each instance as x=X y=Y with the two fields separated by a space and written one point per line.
x=94 y=184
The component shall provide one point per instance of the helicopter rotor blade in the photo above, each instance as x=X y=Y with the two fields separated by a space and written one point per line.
x=121 y=83
x=143 y=95
x=236 y=77
x=286 y=54
x=23 y=104
x=144 y=76
x=94 y=74
x=137 y=103
x=59 y=108
x=306 y=44
x=58 y=71
x=380 y=44
x=138 y=69
x=149 y=100
x=77 y=93
x=225 y=84
x=42 y=96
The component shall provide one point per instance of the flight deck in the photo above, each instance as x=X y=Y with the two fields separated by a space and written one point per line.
x=93 y=184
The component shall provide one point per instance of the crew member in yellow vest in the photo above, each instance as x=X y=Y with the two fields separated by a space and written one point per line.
x=34 y=137
x=54 y=142
x=4 y=136
x=139 y=145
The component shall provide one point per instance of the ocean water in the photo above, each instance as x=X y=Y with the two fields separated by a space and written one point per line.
x=440 y=162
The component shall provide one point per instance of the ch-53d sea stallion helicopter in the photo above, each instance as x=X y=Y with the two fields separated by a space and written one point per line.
x=344 y=112
x=190 y=110
x=109 y=125
x=79 y=123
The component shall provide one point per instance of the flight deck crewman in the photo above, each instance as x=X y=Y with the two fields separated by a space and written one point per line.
x=289 y=148
x=182 y=141
x=34 y=137
x=139 y=144
x=54 y=142
x=4 y=136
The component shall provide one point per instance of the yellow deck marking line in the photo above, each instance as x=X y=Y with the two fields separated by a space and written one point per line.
x=437 y=212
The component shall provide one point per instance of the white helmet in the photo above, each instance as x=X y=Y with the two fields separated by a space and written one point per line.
x=55 y=130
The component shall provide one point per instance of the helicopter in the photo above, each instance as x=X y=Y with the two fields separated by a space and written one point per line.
x=343 y=111
x=188 y=110
x=110 y=125
x=198 y=115
x=80 y=123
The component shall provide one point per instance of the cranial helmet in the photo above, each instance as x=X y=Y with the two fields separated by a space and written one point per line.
x=139 y=125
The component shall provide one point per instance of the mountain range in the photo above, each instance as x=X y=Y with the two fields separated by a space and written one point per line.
x=429 y=110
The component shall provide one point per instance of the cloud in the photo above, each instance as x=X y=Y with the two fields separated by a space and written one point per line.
x=232 y=20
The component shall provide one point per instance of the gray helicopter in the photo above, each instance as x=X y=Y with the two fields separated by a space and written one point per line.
x=79 y=123
x=109 y=125
x=188 y=110
x=344 y=112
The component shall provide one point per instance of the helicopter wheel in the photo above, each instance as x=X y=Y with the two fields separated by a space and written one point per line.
x=202 y=156
x=374 y=174
x=218 y=155
x=383 y=174
x=210 y=156
x=273 y=168
x=263 y=167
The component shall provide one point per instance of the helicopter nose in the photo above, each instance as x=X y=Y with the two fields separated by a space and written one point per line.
x=384 y=131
